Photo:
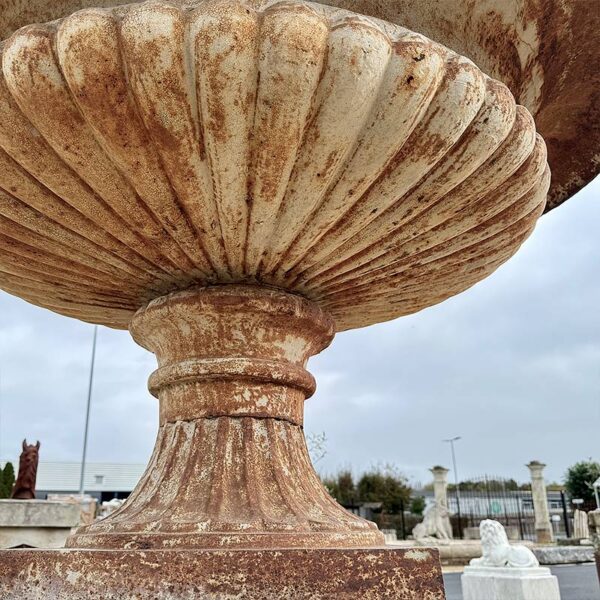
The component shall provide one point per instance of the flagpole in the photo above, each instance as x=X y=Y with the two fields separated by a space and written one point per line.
x=87 y=412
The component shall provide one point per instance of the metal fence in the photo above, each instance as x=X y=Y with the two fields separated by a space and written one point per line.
x=485 y=497
x=490 y=497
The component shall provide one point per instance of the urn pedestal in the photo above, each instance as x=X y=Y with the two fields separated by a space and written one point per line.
x=230 y=505
x=231 y=467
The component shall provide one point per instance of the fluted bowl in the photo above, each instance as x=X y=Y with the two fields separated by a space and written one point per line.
x=152 y=147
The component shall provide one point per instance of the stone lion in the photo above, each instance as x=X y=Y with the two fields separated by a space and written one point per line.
x=497 y=552
x=435 y=525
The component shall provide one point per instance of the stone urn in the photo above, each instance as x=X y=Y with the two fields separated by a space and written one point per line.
x=235 y=182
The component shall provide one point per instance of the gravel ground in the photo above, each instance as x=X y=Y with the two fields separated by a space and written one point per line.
x=576 y=582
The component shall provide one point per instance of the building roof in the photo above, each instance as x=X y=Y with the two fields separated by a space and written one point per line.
x=99 y=477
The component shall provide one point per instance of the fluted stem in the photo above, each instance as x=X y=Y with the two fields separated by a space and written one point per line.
x=231 y=467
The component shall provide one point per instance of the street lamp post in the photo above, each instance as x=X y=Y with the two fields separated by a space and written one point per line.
x=87 y=413
x=451 y=442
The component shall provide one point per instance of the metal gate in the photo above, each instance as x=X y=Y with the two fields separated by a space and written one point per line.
x=489 y=497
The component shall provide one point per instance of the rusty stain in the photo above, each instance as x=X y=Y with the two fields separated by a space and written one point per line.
x=546 y=52
x=343 y=574
x=230 y=467
x=149 y=148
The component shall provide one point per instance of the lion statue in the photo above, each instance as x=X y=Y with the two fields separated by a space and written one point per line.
x=497 y=552
x=435 y=525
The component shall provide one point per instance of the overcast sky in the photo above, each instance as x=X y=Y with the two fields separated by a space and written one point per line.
x=512 y=365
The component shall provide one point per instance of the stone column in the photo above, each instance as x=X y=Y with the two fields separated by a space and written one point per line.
x=440 y=492
x=594 y=523
x=543 y=526
x=440 y=486
x=230 y=467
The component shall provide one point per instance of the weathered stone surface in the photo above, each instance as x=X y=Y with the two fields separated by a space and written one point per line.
x=581 y=529
x=545 y=51
x=496 y=583
x=36 y=523
x=543 y=527
x=86 y=504
x=375 y=574
x=344 y=169
x=562 y=555
x=452 y=552
x=230 y=466
x=382 y=174
x=34 y=537
x=38 y=513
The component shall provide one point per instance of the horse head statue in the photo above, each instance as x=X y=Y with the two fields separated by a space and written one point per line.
x=24 y=488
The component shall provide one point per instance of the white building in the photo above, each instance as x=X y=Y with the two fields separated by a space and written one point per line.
x=104 y=481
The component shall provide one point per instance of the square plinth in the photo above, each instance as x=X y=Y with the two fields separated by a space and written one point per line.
x=36 y=523
x=401 y=574
x=505 y=583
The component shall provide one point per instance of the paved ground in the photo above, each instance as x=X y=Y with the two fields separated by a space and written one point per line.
x=576 y=582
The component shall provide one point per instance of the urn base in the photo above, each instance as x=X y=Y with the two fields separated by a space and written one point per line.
x=315 y=574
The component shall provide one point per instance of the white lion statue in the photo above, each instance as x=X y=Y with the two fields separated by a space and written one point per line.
x=435 y=524
x=497 y=552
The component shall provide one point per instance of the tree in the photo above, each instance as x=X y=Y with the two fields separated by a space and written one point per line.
x=580 y=478
x=386 y=486
x=485 y=484
x=342 y=488
x=417 y=505
x=317 y=446
x=7 y=480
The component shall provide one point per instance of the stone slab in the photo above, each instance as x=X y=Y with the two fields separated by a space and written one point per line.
x=34 y=537
x=343 y=574
x=38 y=513
x=499 y=583
x=563 y=555
x=36 y=523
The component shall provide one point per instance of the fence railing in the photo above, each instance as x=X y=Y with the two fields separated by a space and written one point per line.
x=489 y=497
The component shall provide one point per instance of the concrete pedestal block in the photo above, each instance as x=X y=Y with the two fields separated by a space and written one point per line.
x=343 y=574
x=36 y=523
x=509 y=583
x=563 y=555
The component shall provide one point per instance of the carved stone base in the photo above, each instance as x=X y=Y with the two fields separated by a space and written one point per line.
x=374 y=574
x=257 y=490
x=544 y=536
x=230 y=467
